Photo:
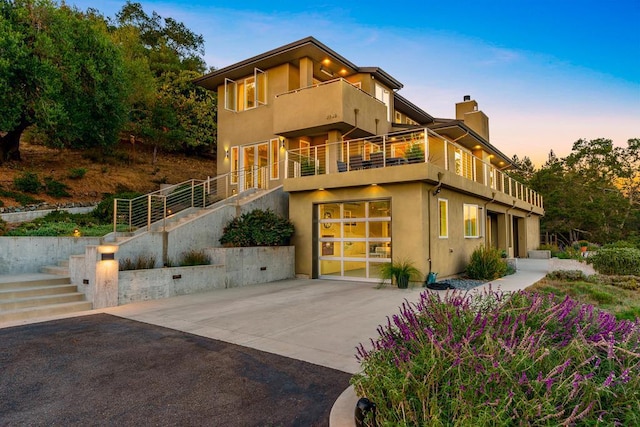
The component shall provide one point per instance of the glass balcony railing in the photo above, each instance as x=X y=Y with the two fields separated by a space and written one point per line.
x=404 y=148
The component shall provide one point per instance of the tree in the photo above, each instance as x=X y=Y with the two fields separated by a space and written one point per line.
x=61 y=72
x=593 y=191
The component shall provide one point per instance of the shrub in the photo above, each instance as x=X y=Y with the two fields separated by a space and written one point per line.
x=194 y=257
x=570 y=275
x=77 y=173
x=623 y=261
x=28 y=182
x=486 y=264
x=3 y=227
x=104 y=210
x=492 y=359
x=55 y=188
x=141 y=262
x=257 y=228
x=631 y=283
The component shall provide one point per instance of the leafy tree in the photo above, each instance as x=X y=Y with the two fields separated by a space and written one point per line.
x=593 y=192
x=61 y=72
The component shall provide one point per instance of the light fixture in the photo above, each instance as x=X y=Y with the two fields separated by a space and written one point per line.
x=226 y=153
x=281 y=142
x=437 y=190
x=107 y=252
x=76 y=232
x=326 y=71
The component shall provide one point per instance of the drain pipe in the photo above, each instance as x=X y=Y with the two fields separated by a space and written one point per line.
x=435 y=192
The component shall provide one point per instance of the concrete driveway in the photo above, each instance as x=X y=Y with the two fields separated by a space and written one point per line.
x=317 y=321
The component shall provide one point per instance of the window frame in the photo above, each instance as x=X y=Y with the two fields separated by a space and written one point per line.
x=444 y=202
x=467 y=209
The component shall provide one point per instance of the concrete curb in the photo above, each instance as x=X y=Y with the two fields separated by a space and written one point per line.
x=342 y=412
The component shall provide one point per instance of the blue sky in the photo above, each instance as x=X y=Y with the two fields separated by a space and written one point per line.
x=546 y=72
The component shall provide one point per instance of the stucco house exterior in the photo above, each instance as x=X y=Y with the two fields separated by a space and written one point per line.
x=371 y=177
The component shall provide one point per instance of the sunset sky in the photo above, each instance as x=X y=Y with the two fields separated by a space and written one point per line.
x=546 y=72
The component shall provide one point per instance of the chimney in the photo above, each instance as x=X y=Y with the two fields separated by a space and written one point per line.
x=468 y=112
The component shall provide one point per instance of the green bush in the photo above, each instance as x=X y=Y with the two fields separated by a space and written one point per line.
x=3 y=227
x=570 y=275
x=631 y=283
x=104 y=210
x=257 y=228
x=622 y=261
x=194 y=257
x=55 y=188
x=486 y=264
x=28 y=182
x=77 y=173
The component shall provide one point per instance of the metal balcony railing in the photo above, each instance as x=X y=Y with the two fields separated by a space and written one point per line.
x=402 y=148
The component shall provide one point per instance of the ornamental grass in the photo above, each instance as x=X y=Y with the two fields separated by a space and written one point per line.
x=502 y=359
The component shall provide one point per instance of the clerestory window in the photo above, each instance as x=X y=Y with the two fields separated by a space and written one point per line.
x=246 y=94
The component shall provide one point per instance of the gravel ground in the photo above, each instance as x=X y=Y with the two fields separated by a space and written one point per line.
x=462 y=284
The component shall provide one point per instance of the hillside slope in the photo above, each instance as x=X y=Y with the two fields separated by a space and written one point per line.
x=127 y=169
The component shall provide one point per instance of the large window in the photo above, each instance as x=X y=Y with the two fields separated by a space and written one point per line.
x=247 y=93
x=471 y=221
x=275 y=158
x=463 y=163
x=354 y=238
x=443 y=216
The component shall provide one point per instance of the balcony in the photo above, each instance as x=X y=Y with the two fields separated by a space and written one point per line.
x=332 y=105
x=418 y=155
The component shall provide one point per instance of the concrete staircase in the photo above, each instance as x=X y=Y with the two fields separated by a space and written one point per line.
x=30 y=296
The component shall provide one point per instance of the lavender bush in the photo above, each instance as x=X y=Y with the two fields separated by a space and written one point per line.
x=498 y=359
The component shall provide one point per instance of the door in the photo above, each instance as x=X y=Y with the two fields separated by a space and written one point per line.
x=254 y=160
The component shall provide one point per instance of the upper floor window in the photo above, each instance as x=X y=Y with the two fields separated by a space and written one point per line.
x=443 y=216
x=463 y=163
x=247 y=93
x=383 y=95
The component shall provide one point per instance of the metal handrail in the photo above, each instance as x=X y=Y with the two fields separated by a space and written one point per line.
x=158 y=206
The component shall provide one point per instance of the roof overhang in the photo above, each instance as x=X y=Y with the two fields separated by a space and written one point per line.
x=462 y=134
x=405 y=106
x=291 y=53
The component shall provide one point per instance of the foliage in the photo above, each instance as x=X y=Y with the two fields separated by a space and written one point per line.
x=28 y=182
x=3 y=227
x=23 y=199
x=592 y=193
x=616 y=261
x=619 y=295
x=61 y=73
x=62 y=223
x=496 y=359
x=104 y=210
x=77 y=173
x=568 y=275
x=415 y=153
x=194 y=257
x=140 y=262
x=55 y=188
x=486 y=264
x=257 y=228
x=399 y=271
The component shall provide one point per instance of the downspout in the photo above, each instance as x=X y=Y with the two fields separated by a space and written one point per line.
x=435 y=190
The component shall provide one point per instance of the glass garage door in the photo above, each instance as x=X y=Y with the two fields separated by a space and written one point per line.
x=354 y=239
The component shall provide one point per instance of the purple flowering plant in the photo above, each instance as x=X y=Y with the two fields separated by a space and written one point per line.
x=502 y=359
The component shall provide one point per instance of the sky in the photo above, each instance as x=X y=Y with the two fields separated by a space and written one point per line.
x=546 y=73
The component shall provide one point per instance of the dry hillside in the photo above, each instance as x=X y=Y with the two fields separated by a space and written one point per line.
x=128 y=169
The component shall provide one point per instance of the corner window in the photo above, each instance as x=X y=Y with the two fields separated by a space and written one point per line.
x=471 y=228
x=247 y=93
x=443 y=217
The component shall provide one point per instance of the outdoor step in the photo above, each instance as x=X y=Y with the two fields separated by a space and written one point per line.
x=36 y=291
x=16 y=282
x=38 y=301
x=55 y=269
x=44 y=311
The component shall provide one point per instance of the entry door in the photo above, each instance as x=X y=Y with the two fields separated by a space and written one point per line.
x=254 y=160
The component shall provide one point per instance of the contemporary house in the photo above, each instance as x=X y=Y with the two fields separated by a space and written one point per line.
x=371 y=177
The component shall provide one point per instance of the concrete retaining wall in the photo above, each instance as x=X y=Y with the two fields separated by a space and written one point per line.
x=27 y=254
x=232 y=267
x=29 y=215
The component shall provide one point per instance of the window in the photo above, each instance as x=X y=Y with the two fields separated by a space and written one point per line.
x=275 y=159
x=471 y=228
x=443 y=212
x=398 y=117
x=247 y=93
x=382 y=94
x=463 y=163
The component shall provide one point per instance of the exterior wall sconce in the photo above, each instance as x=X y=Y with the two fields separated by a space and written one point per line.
x=107 y=252
x=226 y=153
x=281 y=142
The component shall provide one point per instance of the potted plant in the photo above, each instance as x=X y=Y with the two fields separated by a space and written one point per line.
x=415 y=153
x=400 y=272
